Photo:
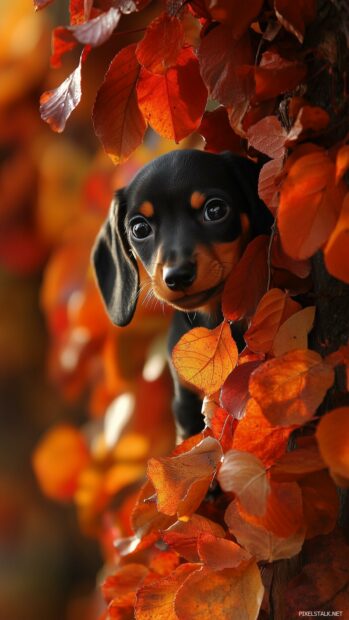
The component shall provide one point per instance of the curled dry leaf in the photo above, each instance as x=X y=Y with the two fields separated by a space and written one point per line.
x=220 y=553
x=260 y=542
x=231 y=593
x=268 y=136
x=173 y=103
x=333 y=438
x=234 y=393
x=274 y=308
x=256 y=435
x=245 y=475
x=57 y=105
x=117 y=119
x=290 y=388
x=155 y=601
x=96 y=31
x=161 y=45
x=183 y=536
x=205 y=357
x=239 y=301
x=181 y=482
x=336 y=252
x=293 y=333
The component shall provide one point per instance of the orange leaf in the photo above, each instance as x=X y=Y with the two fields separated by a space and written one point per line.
x=245 y=475
x=342 y=162
x=259 y=541
x=161 y=45
x=309 y=202
x=336 y=252
x=293 y=333
x=320 y=503
x=156 y=600
x=123 y=584
x=290 y=388
x=117 y=119
x=296 y=464
x=183 y=536
x=205 y=357
x=273 y=309
x=229 y=593
x=173 y=103
x=238 y=299
x=255 y=434
x=181 y=482
x=144 y=517
x=280 y=260
x=220 y=553
x=333 y=437
x=59 y=458
x=309 y=118
x=284 y=514
x=268 y=137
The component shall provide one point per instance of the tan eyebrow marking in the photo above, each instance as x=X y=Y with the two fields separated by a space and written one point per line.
x=197 y=199
x=147 y=209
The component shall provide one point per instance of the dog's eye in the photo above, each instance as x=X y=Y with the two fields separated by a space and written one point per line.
x=140 y=228
x=216 y=209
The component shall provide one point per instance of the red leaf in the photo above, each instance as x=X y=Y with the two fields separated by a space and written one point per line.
x=117 y=119
x=62 y=42
x=290 y=388
x=123 y=584
x=57 y=105
x=234 y=394
x=280 y=260
x=256 y=435
x=269 y=183
x=276 y=75
x=222 y=61
x=268 y=137
x=173 y=103
x=236 y=15
x=295 y=15
x=238 y=300
x=309 y=118
x=296 y=464
x=218 y=134
x=320 y=503
x=222 y=425
x=161 y=45
x=342 y=162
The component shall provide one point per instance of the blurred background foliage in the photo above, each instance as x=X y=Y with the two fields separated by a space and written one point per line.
x=81 y=401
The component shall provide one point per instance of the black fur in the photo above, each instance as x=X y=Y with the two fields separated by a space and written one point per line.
x=167 y=183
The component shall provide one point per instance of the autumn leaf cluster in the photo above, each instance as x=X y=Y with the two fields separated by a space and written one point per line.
x=232 y=500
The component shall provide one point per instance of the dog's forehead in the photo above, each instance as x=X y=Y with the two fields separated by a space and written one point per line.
x=177 y=175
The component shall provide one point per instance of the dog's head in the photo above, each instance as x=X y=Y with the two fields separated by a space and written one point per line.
x=187 y=216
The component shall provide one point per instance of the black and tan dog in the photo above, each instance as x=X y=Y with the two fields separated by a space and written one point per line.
x=187 y=216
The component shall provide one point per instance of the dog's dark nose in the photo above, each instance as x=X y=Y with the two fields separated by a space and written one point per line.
x=180 y=276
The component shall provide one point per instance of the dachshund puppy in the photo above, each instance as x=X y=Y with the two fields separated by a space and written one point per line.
x=187 y=216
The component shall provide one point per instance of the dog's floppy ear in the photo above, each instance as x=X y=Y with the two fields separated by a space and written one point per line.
x=245 y=173
x=115 y=266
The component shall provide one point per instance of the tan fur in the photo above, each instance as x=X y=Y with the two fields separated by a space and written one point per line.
x=146 y=209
